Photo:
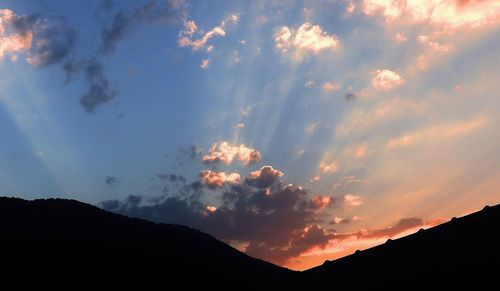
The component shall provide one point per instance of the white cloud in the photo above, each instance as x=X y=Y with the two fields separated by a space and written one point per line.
x=386 y=79
x=205 y=63
x=310 y=84
x=226 y=152
x=308 y=39
x=187 y=35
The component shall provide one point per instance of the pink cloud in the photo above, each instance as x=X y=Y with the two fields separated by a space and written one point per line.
x=226 y=152
x=308 y=39
x=329 y=86
x=218 y=179
x=399 y=37
x=12 y=43
x=386 y=79
x=448 y=15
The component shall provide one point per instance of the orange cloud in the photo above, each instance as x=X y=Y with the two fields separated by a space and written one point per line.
x=218 y=179
x=329 y=86
x=351 y=200
x=342 y=244
x=12 y=43
x=321 y=202
x=226 y=152
x=308 y=39
x=328 y=167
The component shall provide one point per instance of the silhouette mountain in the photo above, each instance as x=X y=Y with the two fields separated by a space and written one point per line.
x=464 y=251
x=54 y=239
x=76 y=240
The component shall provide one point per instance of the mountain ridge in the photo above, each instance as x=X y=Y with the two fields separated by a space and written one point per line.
x=64 y=237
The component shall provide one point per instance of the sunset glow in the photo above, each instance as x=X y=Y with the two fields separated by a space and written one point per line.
x=296 y=131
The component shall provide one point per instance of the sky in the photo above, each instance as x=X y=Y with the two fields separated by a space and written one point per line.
x=296 y=131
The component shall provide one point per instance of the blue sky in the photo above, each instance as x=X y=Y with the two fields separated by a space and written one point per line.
x=386 y=110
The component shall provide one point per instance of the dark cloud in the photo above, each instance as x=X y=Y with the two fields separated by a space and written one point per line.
x=100 y=90
x=263 y=178
x=71 y=68
x=172 y=178
x=112 y=181
x=53 y=38
x=276 y=224
x=350 y=96
x=124 y=21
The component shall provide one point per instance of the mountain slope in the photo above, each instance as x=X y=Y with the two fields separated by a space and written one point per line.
x=463 y=250
x=57 y=236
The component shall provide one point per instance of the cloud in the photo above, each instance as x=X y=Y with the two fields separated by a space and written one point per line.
x=274 y=224
x=329 y=86
x=50 y=40
x=263 y=178
x=310 y=128
x=399 y=37
x=47 y=40
x=226 y=152
x=351 y=200
x=12 y=43
x=339 y=220
x=391 y=231
x=439 y=132
x=346 y=181
x=218 y=179
x=112 y=181
x=205 y=63
x=351 y=7
x=187 y=35
x=100 y=90
x=172 y=178
x=54 y=41
x=328 y=167
x=386 y=79
x=350 y=96
x=124 y=21
x=310 y=84
x=447 y=15
x=308 y=39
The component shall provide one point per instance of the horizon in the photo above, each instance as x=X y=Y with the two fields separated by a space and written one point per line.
x=295 y=131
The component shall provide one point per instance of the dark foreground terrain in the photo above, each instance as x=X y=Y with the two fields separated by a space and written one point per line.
x=55 y=239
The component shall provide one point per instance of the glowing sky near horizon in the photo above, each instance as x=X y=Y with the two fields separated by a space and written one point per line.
x=297 y=131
